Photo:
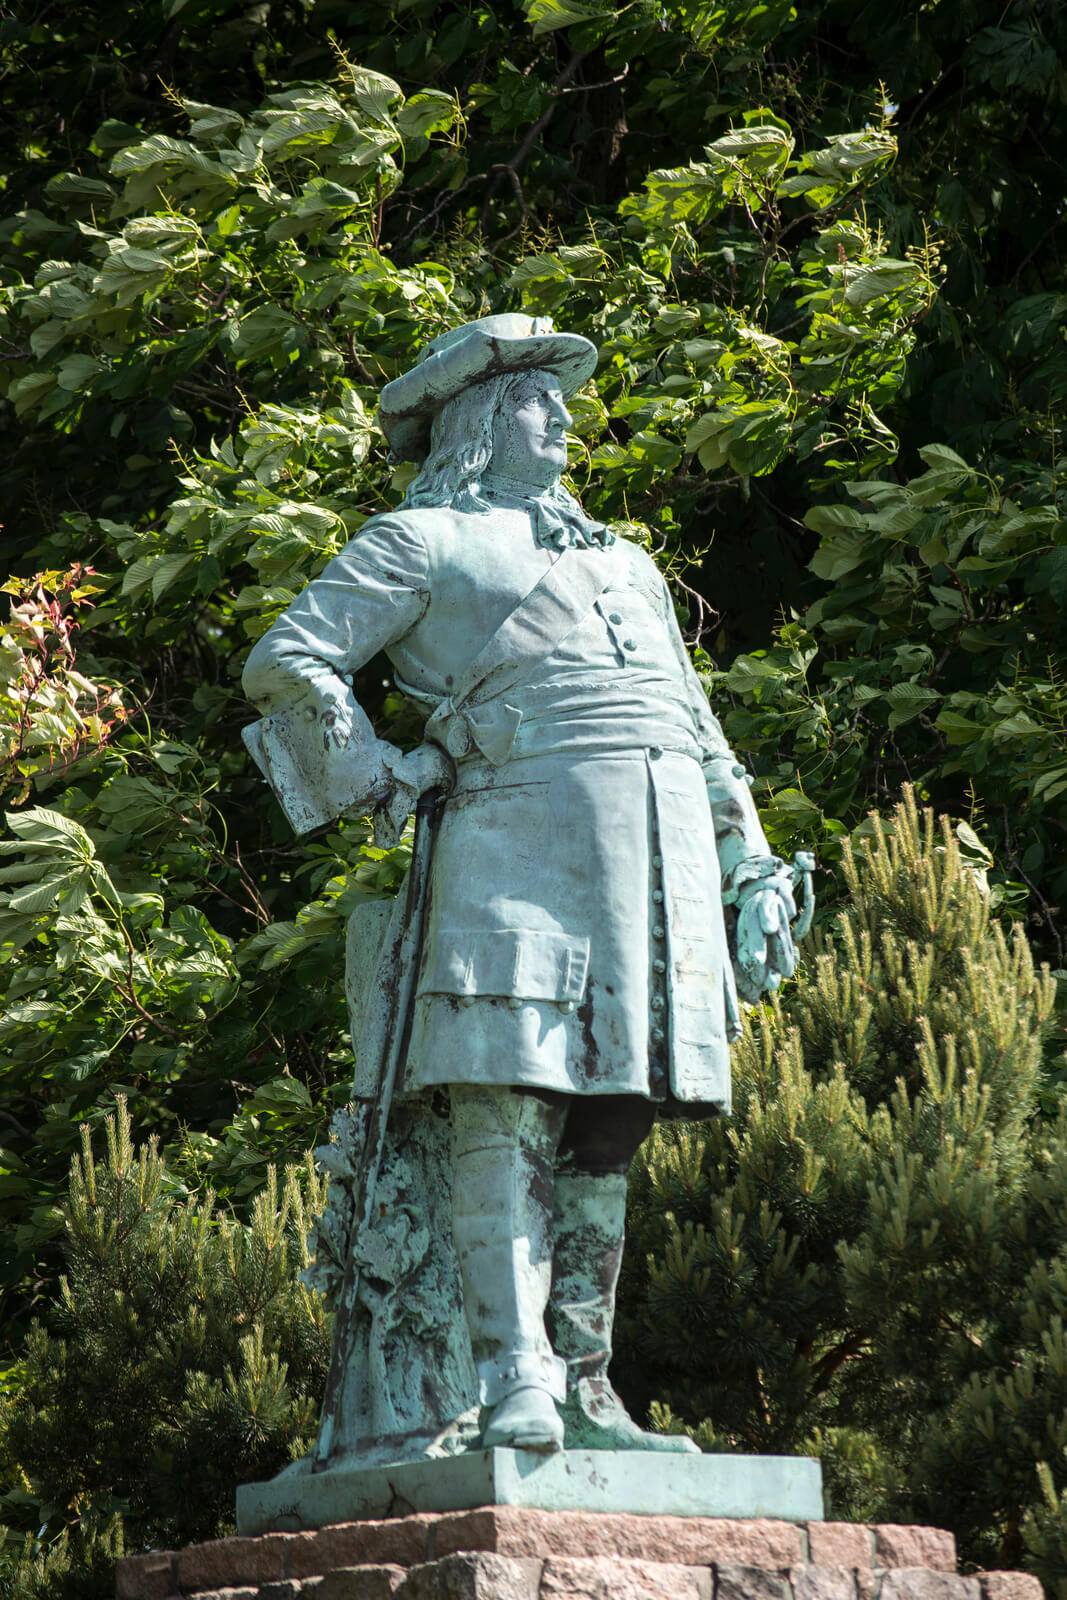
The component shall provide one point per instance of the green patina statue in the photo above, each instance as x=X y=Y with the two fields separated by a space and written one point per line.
x=590 y=893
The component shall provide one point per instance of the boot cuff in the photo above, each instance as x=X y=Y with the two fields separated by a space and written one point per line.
x=524 y=1369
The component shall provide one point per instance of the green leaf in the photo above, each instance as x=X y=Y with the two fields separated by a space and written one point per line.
x=897 y=520
x=76 y=371
x=709 y=439
x=548 y=15
x=971 y=846
x=432 y=111
x=161 y=151
x=262 y=331
x=800 y=184
x=30 y=1011
x=832 y=519
x=1053 y=567
x=1018 y=726
x=228 y=221
x=537 y=269
x=940 y=455
x=743 y=141
x=166 y=570
x=45 y=895
x=908 y=701
x=1049 y=784
x=30 y=389
x=41 y=828
x=885 y=276
x=935 y=486
x=907 y=694
x=75 y=186
x=374 y=92
x=208 y=122
x=280 y=1094
x=835 y=561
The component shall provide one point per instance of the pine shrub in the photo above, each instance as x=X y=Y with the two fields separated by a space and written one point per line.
x=866 y=1261
x=183 y=1357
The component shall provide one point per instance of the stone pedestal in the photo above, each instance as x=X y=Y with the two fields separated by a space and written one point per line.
x=516 y=1553
x=788 y=1488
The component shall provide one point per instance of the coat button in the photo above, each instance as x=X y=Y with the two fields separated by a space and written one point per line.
x=654 y=753
x=657 y=861
x=615 y=618
x=658 y=931
x=629 y=644
x=656 y=1035
x=566 y=1006
x=738 y=770
x=657 y=1002
x=466 y=999
x=657 y=895
x=659 y=966
x=514 y=1003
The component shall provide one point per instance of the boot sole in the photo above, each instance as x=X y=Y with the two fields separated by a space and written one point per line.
x=542 y=1442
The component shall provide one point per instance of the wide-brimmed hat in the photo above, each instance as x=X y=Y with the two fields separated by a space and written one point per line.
x=469 y=354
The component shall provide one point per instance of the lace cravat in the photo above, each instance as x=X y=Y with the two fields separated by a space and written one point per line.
x=558 y=519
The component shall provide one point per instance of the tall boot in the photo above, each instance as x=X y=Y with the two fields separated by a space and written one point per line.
x=502 y=1224
x=589 y=1218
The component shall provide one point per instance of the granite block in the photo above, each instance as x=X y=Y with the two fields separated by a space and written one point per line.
x=149 y=1577
x=229 y=1563
x=736 y=1581
x=813 y=1582
x=397 y=1541
x=923 y=1583
x=608 y=1578
x=697 y=1541
x=901 y=1545
x=360 y=1583
x=1010 y=1586
x=481 y=1576
x=840 y=1544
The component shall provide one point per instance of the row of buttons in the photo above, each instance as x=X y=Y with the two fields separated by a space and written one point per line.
x=657 y=1002
x=616 y=621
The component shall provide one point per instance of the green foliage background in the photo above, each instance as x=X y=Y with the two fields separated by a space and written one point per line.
x=819 y=247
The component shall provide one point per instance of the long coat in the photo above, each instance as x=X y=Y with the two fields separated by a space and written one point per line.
x=574 y=938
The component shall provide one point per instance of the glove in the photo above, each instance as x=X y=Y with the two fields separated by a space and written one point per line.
x=766 y=952
x=427 y=767
x=763 y=948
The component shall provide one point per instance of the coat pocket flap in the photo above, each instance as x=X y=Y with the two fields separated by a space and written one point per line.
x=520 y=963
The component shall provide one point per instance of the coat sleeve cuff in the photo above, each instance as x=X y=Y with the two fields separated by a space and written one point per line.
x=739 y=834
x=322 y=760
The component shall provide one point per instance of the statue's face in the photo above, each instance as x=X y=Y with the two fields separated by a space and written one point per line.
x=530 y=433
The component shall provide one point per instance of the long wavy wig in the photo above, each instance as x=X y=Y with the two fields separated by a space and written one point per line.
x=461 y=449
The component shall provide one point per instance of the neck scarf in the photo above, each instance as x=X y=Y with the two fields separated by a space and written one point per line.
x=558 y=520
